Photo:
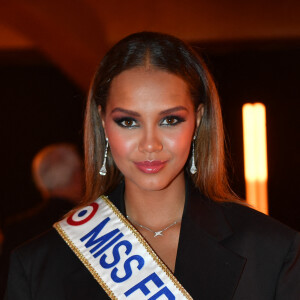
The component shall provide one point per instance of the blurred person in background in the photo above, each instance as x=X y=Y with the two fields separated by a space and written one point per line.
x=57 y=172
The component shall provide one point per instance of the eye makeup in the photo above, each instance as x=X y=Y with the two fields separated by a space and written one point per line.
x=172 y=120
x=129 y=122
x=126 y=122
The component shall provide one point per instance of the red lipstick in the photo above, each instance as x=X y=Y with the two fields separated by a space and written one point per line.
x=150 y=167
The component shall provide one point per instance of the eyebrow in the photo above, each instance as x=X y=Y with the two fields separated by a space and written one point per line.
x=126 y=111
x=172 y=110
x=136 y=114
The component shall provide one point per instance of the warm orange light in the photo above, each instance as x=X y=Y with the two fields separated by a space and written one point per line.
x=255 y=155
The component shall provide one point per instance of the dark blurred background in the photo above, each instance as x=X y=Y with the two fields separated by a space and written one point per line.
x=49 y=51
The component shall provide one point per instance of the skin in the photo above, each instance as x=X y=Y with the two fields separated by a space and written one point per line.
x=150 y=116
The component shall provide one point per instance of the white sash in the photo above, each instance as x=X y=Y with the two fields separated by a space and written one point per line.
x=116 y=254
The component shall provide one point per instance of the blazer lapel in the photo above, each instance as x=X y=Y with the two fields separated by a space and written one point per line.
x=205 y=268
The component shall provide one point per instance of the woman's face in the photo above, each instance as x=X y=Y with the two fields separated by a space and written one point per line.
x=150 y=121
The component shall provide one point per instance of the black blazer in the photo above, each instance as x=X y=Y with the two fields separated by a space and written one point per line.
x=226 y=251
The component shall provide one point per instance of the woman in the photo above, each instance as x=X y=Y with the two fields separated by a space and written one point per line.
x=154 y=130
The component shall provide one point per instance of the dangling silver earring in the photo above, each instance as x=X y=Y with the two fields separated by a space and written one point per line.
x=103 y=170
x=193 y=168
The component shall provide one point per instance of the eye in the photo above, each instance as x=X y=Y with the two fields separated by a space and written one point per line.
x=126 y=122
x=172 y=121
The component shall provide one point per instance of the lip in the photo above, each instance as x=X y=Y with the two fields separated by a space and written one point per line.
x=150 y=167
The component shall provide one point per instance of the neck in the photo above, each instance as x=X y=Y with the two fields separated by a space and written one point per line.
x=156 y=209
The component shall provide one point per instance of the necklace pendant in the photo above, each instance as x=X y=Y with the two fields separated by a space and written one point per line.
x=158 y=233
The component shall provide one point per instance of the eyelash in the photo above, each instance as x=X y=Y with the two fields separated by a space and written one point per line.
x=120 y=121
x=177 y=118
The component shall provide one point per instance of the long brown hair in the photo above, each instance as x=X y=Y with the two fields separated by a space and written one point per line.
x=172 y=55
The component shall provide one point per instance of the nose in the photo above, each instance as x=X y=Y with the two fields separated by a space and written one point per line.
x=150 y=142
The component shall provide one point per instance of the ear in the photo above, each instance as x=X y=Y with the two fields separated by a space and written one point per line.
x=102 y=117
x=199 y=114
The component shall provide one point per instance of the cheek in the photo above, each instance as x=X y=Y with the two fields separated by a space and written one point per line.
x=120 y=144
x=180 y=142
